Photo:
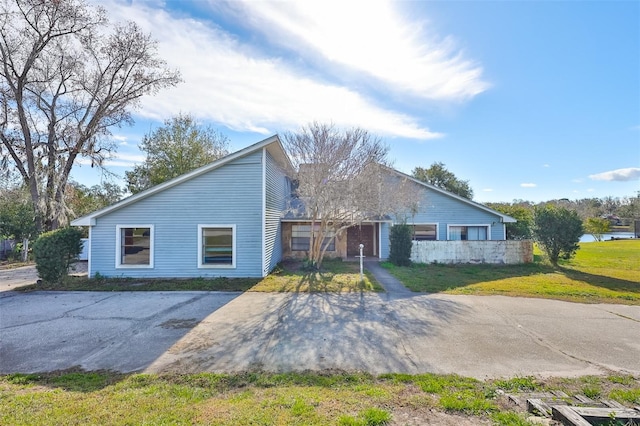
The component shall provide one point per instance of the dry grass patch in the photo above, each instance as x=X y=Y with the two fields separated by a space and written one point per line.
x=335 y=276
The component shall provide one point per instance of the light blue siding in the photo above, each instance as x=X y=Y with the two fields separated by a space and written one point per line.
x=276 y=193
x=384 y=240
x=441 y=209
x=228 y=195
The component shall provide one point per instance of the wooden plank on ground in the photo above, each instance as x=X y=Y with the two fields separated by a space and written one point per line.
x=584 y=399
x=606 y=413
x=611 y=403
x=515 y=400
x=567 y=416
x=535 y=405
x=560 y=394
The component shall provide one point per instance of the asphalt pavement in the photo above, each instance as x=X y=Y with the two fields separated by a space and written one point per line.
x=490 y=336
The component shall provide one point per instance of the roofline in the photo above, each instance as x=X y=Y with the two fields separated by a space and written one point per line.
x=505 y=218
x=89 y=220
x=317 y=220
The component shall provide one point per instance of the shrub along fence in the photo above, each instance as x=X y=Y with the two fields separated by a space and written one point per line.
x=496 y=252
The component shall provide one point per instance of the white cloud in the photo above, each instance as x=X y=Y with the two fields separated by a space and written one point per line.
x=622 y=175
x=577 y=180
x=371 y=38
x=225 y=83
x=487 y=190
x=528 y=185
x=121 y=139
x=118 y=159
x=546 y=166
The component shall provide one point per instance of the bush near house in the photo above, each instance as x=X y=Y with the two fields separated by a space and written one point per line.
x=400 y=248
x=55 y=251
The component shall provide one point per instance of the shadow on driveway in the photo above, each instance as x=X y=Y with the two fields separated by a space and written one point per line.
x=297 y=332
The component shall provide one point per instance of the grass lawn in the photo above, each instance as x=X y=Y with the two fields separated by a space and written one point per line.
x=601 y=272
x=81 y=398
x=335 y=276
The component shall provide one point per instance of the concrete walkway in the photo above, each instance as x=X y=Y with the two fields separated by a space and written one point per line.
x=394 y=288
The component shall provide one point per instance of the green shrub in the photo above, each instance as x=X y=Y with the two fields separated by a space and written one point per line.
x=55 y=251
x=400 y=250
x=557 y=231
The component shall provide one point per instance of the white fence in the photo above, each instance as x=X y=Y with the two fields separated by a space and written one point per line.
x=495 y=252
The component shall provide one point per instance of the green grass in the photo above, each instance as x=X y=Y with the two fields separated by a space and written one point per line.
x=75 y=398
x=335 y=276
x=601 y=272
x=75 y=283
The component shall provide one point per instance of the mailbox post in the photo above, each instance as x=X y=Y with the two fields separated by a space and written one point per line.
x=361 y=260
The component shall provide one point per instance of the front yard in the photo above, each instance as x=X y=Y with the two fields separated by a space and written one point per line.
x=604 y=272
x=601 y=272
x=290 y=276
x=283 y=399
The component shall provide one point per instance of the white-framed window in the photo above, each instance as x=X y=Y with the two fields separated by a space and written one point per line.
x=301 y=238
x=425 y=232
x=216 y=246
x=134 y=246
x=468 y=232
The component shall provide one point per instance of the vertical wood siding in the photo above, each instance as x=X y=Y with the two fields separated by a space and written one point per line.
x=275 y=192
x=231 y=194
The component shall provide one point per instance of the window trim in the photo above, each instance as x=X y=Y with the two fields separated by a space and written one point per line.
x=334 y=242
x=485 y=225
x=233 y=246
x=437 y=225
x=119 y=229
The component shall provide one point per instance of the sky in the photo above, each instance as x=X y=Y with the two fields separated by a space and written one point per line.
x=527 y=100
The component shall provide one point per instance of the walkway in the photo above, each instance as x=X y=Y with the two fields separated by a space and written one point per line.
x=394 y=288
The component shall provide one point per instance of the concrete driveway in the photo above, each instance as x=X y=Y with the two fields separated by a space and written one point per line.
x=17 y=277
x=227 y=332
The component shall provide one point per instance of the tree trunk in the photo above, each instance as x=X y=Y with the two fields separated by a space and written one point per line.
x=25 y=249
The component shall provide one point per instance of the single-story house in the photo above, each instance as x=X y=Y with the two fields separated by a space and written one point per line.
x=228 y=219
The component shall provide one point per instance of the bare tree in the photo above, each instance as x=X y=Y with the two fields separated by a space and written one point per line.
x=65 y=80
x=342 y=180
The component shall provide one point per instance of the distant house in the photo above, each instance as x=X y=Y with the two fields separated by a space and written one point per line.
x=228 y=219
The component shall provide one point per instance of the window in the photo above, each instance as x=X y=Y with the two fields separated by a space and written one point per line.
x=301 y=238
x=134 y=246
x=425 y=232
x=216 y=246
x=471 y=233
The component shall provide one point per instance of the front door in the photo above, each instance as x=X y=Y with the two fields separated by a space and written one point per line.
x=360 y=234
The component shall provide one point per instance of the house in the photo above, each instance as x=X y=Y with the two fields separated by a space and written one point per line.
x=227 y=219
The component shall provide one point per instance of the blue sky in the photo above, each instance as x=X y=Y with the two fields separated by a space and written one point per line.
x=532 y=100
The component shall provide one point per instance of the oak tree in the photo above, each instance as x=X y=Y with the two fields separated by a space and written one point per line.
x=438 y=175
x=178 y=147
x=66 y=78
